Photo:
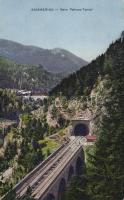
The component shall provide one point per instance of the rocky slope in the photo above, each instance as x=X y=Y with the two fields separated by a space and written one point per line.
x=90 y=88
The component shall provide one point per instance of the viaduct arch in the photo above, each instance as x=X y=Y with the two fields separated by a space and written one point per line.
x=50 y=178
x=70 y=173
x=50 y=197
x=56 y=191
x=79 y=166
x=62 y=188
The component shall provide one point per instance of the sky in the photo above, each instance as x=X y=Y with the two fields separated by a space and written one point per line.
x=84 y=33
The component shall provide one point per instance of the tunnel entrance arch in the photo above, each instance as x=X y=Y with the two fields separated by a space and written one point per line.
x=79 y=166
x=62 y=188
x=81 y=129
x=70 y=173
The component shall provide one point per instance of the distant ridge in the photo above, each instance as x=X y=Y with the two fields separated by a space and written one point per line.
x=83 y=81
x=53 y=60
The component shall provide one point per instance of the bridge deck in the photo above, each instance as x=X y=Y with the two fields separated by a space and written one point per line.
x=44 y=175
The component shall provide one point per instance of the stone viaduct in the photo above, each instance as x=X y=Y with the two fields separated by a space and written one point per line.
x=50 y=178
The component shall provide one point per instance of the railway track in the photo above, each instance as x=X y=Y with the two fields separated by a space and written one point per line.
x=46 y=183
x=41 y=175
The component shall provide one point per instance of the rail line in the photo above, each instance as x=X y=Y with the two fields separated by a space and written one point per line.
x=41 y=175
x=44 y=185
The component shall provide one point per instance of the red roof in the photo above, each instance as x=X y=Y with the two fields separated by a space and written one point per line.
x=91 y=138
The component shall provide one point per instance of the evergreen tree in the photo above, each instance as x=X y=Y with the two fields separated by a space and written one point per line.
x=106 y=164
x=77 y=189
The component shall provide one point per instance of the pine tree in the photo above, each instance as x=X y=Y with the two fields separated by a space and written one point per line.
x=77 y=189
x=106 y=164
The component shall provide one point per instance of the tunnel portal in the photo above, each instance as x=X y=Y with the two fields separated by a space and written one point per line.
x=81 y=130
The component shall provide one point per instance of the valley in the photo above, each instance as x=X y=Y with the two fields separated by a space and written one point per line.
x=94 y=93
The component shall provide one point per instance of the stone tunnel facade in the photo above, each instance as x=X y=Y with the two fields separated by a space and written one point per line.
x=56 y=190
x=80 y=127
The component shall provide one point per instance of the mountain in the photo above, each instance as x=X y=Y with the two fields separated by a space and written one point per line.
x=84 y=80
x=102 y=83
x=55 y=60
x=16 y=76
x=99 y=88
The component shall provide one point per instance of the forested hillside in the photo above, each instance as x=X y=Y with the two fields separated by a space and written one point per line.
x=96 y=92
x=25 y=133
x=101 y=83
x=28 y=77
x=83 y=81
